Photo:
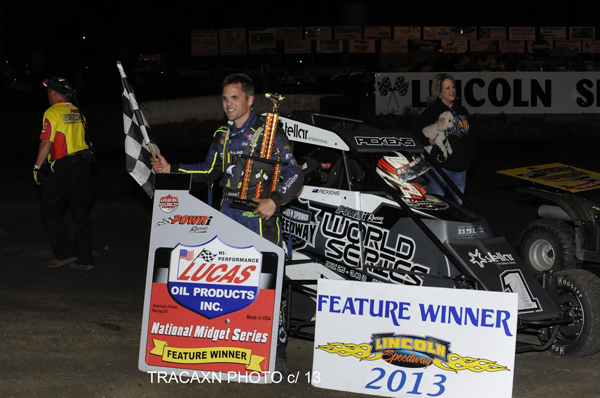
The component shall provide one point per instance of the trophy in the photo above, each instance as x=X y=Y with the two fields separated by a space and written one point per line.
x=264 y=156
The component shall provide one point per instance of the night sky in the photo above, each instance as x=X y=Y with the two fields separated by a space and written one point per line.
x=52 y=38
x=121 y=26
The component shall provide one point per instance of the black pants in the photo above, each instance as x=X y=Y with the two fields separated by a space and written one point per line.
x=69 y=184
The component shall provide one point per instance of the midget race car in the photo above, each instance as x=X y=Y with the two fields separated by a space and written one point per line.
x=363 y=215
x=567 y=233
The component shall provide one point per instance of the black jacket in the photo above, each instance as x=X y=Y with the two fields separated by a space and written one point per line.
x=462 y=137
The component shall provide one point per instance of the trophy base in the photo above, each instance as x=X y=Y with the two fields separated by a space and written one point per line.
x=243 y=204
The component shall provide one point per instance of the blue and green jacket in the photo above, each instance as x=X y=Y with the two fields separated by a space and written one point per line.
x=224 y=162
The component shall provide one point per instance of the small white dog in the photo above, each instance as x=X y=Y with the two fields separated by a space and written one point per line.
x=437 y=132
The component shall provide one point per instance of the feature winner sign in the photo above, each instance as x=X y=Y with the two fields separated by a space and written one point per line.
x=395 y=340
x=212 y=295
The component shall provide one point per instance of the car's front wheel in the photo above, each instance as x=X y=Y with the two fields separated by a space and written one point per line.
x=579 y=295
x=548 y=244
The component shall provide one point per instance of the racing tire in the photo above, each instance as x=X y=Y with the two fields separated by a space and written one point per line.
x=578 y=293
x=547 y=244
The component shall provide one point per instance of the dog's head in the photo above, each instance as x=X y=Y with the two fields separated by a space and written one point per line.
x=445 y=121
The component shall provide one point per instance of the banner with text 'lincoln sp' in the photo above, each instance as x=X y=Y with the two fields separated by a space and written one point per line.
x=495 y=92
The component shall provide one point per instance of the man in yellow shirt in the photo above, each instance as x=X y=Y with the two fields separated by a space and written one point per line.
x=68 y=181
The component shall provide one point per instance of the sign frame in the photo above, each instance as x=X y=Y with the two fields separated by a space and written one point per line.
x=239 y=345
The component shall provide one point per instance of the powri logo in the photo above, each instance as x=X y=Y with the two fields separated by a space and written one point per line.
x=214 y=279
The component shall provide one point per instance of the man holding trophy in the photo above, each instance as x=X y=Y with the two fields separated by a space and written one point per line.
x=258 y=171
x=255 y=181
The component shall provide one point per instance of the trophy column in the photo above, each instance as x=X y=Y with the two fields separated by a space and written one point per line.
x=265 y=154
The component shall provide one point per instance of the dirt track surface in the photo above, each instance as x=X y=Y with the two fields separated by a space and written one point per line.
x=75 y=334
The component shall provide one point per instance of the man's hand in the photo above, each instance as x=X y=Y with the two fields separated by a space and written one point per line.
x=265 y=209
x=38 y=177
x=160 y=164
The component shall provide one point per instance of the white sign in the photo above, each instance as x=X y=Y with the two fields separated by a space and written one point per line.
x=512 y=46
x=552 y=33
x=454 y=46
x=521 y=33
x=318 y=32
x=582 y=33
x=348 y=33
x=232 y=41
x=205 y=42
x=591 y=46
x=377 y=32
x=211 y=302
x=394 y=46
x=436 y=33
x=495 y=92
x=297 y=46
x=463 y=32
x=492 y=32
x=330 y=46
x=396 y=340
x=407 y=32
x=483 y=45
x=361 y=46
x=288 y=33
x=261 y=41
x=571 y=45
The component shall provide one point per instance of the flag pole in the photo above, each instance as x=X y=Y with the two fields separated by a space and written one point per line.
x=135 y=108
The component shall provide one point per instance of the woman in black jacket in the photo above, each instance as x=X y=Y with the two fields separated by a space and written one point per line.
x=461 y=137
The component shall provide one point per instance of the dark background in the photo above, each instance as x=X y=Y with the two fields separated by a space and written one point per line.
x=67 y=334
x=82 y=41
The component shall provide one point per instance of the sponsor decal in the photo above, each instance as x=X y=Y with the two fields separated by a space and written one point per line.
x=359 y=214
x=214 y=279
x=588 y=185
x=384 y=141
x=301 y=223
x=480 y=258
x=537 y=173
x=347 y=241
x=409 y=351
x=186 y=220
x=295 y=131
x=168 y=204
x=351 y=240
x=164 y=221
x=326 y=191
x=431 y=203
x=471 y=232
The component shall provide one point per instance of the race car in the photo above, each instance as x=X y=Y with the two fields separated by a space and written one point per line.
x=364 y=214
x=567 y=234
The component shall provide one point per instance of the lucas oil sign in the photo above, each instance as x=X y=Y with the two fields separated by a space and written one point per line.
x=211 y=302
x=214 y=279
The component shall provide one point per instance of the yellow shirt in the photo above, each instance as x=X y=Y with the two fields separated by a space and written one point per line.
x=63 y=126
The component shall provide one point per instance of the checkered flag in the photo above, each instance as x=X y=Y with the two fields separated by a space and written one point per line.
x=401 y=86
x=207 y=255
x=139 y=150
x=385 y=86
